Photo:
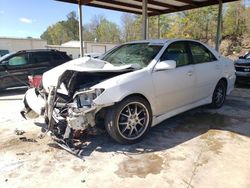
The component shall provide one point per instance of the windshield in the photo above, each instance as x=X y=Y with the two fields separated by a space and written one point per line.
x=138 y=53
x=247 y=56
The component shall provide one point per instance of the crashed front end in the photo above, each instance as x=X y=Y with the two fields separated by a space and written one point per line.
x=69 y=106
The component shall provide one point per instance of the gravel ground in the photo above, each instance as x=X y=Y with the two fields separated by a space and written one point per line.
x=199 y=148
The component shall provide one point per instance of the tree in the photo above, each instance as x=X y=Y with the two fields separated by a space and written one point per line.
x=71 y=26
x=104 y=30
x=62 y=31
x=197 y=24
x=99 y=28
x=235 y=20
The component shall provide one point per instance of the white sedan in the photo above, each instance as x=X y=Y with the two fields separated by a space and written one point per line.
x=131 y=88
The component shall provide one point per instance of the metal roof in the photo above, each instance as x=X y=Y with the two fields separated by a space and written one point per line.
x=155 y=7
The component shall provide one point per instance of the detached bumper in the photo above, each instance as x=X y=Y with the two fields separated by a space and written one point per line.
x=34 y=104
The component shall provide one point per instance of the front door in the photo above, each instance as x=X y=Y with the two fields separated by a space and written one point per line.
x=174 y=88
x=15 y=71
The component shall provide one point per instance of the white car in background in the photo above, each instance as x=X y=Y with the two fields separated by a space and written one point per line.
x=131 y=88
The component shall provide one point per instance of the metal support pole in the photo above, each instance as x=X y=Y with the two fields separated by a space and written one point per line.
x=159 y=27
x=80 y=28
x=219 y=23
x=145 y=19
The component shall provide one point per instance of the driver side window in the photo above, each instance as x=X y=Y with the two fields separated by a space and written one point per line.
x=176 y=51
x=20 y=59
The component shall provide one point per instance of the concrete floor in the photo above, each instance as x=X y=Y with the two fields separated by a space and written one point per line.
x=199 y=148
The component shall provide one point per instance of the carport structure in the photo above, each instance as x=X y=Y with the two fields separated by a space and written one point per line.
x=149 y=8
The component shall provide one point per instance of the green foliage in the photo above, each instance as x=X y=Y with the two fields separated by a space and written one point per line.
x=198 y=24
x=62 y=31
x=237 y=49
x=104 y=30
x=235 y=20
x=100 y=30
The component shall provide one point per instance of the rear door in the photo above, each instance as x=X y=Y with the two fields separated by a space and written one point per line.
x=208 y=70
x=58 y=58
x=39 y=62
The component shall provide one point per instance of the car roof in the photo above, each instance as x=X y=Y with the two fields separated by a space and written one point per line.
x=161 y=41
x=6 y=56
x=164 y=41
x=152 y=41
x=38 y=50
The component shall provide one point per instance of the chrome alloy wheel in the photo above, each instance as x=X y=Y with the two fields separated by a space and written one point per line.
x=220 y=95
x=133 y=120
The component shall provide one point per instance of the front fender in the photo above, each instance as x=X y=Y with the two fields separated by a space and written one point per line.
x=138 y=82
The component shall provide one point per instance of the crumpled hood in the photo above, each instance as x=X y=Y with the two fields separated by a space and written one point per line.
x=84 y=64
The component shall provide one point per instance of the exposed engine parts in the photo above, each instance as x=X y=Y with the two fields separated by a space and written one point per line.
x=67 y=112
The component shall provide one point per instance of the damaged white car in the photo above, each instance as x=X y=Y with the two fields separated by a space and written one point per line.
x=130 y=88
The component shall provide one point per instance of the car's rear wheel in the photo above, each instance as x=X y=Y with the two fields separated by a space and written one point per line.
x=129 y=120
x=219 y=95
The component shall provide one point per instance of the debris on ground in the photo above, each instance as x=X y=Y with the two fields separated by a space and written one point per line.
x=19 y=132
x=41 y=135
x=24 y=139
x=83 y=181
x=22 y=153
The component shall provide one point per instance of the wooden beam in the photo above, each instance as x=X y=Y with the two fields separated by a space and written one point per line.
x=189 y=7
x=157 y=3
x=189 y=2
x=84 y=2
x=114 y=8
x=124 y=4
x=165 y=5
x=68 y=1
x=151 y=11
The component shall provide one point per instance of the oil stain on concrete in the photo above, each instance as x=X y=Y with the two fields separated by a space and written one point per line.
x=140 y=165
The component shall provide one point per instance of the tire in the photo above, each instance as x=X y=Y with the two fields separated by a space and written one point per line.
x=128 y=121
x=219 y=95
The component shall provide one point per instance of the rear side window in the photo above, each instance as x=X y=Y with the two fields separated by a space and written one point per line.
x=176 y=51
x=56 y=56
x=64 y=55
x=200 y=53
x=40 y=57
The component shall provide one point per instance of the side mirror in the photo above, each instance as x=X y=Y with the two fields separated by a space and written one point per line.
x=241 y=57
x=165 y=65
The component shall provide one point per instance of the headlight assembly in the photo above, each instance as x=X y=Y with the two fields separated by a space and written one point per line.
x=85 y=98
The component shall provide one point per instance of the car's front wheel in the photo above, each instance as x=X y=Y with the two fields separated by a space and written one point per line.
x=219 y=95
x=129 y=120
